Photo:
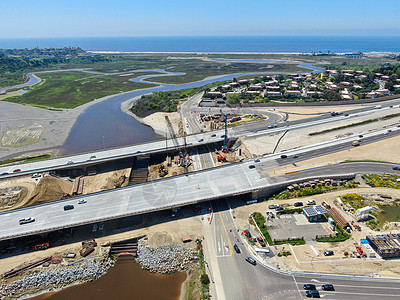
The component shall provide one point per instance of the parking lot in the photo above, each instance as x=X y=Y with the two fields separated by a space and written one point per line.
x=295 y=225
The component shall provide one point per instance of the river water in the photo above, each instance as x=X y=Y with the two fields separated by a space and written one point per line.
x=105 y=125
x=125 y=280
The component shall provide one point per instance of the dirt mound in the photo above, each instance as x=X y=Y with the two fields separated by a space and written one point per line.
x=50 y=189
x=160 y=238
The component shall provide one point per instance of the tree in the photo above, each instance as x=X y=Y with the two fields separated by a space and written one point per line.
x=233 y=98
x=330 y=95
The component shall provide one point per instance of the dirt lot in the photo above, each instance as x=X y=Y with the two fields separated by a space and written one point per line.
x=305 y=258
x=36 y=191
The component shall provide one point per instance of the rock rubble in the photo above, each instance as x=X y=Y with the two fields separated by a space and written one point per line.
x=55 y=278
x=167 y=258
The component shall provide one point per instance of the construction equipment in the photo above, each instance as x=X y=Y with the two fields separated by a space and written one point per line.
x=162 y=171
x=120 y=181
x=184 y=160
x=43 y=246
x=221 y=158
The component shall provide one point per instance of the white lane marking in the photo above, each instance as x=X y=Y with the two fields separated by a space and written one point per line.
x=297 y=286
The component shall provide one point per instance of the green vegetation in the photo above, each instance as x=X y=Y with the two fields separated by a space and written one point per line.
x=284 y=253
x=25 y=159
x=71 y=89
x=260 y=220
x=292 y=242
x=341 y=237
x=309 y=191
x=373 y=224
x=165 y=101
x=343 y=127
x=389 y=181
x=356 y=201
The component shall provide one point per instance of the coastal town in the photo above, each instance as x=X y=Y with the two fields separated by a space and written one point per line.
x=331 y=85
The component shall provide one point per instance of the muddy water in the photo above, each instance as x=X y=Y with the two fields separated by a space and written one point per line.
x=126 y=280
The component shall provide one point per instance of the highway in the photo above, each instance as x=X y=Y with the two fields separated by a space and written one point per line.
x=234 y=278
x=250 y=130
x=171 y=192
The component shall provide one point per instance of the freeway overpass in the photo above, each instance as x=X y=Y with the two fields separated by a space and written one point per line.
x=162 y=194
x=86 y=159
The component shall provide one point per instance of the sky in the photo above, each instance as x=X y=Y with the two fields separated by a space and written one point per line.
x=120 y=18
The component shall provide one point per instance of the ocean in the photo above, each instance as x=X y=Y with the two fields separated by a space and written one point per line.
x=214 y=44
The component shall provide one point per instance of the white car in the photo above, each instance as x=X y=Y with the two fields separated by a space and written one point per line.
x=82 y=201
x=310 y=202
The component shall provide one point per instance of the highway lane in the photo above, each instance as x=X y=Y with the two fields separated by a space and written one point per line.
x=137 y=199
x=154 y=147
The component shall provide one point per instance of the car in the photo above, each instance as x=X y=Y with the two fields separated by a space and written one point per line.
x=82 y=201
x=396 y=168
x=328 y=253
x=5 y=173
x=278 y=208
x=101 y=226
x=26 y=220
x=222 y=136
x=346 y=115
x=68 y=207
x=251 y=260
x=355 y=143
x=295 y=156
x=297 y=204
x=95 y=227
x=310 y=202
x=312 y=294
x=213 y=135
x=17 y=170
x=328 y=287
x=257 y=160
x=236 y=248
x=272 y=126
x=201 y=140
x=390 y=130
x=92 y=157
x=70 y=162
x=273 y=206
x=252 y=166
x=309 y=286
x=270 y=214
x=138 y=151
x=261 y=241
x=360 y=136
x=283 y=156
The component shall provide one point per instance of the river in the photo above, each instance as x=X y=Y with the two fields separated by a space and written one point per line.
x=104 y=125
x=125 y=280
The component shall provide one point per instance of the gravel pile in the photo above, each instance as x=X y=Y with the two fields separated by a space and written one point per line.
x=56 y=278
x=168 y=258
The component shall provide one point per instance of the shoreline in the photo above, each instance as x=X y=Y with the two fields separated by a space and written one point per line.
x=210 y=52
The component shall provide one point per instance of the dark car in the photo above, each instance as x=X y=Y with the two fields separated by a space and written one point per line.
x=222 y=136
x=236 y=248
x=297 y=204
x=309 y=286
x=360 y=136
x=26 y=220
x=328 y=253
x=283 y=156
x=17 y=170
x=257 y=160
x=5 y=173
x=252 y=166
x=327 y=287
x=312 y=294
x=261 y=241
x=251 y=260
x=394 y=168
x=68 y=207
x=213 y=135
x=278 y=208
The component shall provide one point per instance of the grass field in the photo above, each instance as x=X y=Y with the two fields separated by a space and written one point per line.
x=71 y=89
